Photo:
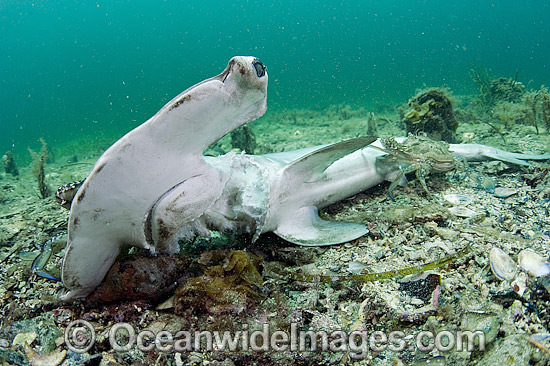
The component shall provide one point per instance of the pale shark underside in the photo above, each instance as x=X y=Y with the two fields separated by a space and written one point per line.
x=154 y=188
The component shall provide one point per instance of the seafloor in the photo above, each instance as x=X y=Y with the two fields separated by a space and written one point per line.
x=274 y=282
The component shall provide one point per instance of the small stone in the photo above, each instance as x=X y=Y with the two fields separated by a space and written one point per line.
x=108 y=359
x=503 y=192
x=468 y=137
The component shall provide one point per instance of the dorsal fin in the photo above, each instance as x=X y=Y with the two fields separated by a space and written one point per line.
x=312 y=165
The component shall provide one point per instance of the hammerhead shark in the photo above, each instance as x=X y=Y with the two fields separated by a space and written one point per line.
x=154 y=188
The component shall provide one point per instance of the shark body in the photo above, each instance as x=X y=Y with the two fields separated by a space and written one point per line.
x=154 y=188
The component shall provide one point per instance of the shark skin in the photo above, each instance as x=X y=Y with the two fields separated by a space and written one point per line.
x=282 y=192
x=107 y=213
x=153 y=188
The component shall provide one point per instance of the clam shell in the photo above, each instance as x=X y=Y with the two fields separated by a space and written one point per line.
x=533 y=263
x=502 y=265
x=462 y=211
x=457 y=199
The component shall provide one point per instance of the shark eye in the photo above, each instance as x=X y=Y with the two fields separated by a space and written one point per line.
x=260 y=68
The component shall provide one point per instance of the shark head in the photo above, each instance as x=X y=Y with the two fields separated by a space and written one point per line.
x=245 y=72
x=150 y=162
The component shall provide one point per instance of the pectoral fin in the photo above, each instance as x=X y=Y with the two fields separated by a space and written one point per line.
x=177 y=211
x=305 y=227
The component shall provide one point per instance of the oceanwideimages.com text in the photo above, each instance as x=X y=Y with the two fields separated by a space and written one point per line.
x=80 y=336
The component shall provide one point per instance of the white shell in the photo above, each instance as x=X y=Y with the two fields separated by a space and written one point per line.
x=502 y=265
x=457 y=199
x=533 y=263
x=462 y=211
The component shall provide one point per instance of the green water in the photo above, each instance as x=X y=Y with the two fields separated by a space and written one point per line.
x=95 y=69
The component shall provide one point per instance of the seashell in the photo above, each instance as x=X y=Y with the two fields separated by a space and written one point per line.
x=28 y=256
x=22 y=338
x=457 y=199
x=502 y=265
x=533 y=263
x=545 y=282
x=519 y=284
x=502 y=192
x=355 y=267
x=462 y=211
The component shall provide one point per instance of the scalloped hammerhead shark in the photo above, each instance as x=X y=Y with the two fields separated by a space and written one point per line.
x=154 y=188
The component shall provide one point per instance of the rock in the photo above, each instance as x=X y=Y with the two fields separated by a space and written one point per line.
x=511 y=351
x=486 y=322
x=140 y=278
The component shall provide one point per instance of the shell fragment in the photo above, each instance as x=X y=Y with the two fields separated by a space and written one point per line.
x=457 y=199
x=462 y=211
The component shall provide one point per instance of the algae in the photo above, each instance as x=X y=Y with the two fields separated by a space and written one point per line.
x=8 y=162
x=243 y=139
x=509 y=113
x=367 y=277
x=38 y=163
x=494 y=90
x=230 y=284
x=431 y=112
x=539 y=102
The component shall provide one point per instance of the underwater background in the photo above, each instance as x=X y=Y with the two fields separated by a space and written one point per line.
x=456 y=245
x=88 y=71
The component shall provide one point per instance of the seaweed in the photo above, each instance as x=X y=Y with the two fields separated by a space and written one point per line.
x=431 y=112
x=481 y=77
x=493 y=90
x=367 y=277
x=513 y=113
x=243 y=139
x=230 y=284
x=38 y=163
x=9 y=164
x=372 y=129
x=539 y=102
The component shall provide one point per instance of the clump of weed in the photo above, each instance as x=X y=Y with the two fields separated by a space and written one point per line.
x=38 y=163
x=9 y=164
